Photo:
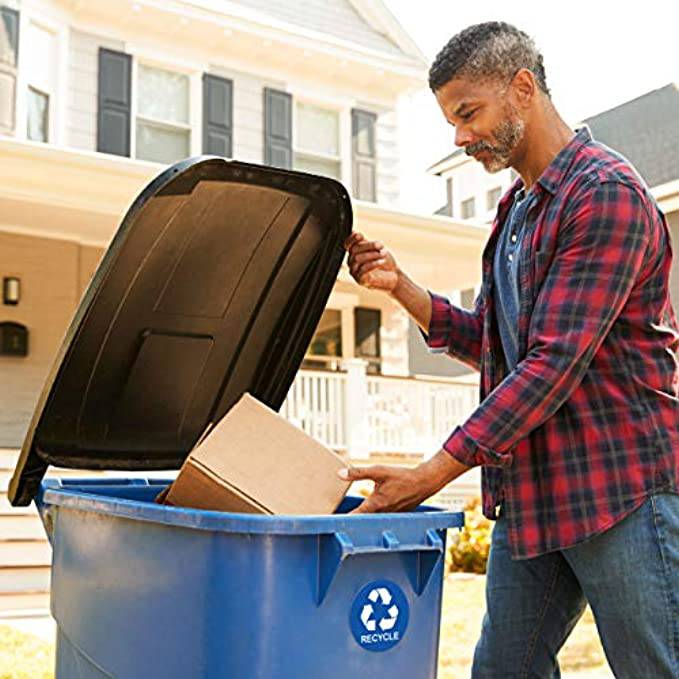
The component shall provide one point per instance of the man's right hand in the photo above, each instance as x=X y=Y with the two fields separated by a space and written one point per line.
x=371 y=264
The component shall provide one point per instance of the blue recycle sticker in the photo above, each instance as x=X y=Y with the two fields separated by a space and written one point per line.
x=379 y=616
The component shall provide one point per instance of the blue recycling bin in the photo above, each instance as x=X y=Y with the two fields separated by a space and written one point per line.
x=212 y=287
x=141 y=590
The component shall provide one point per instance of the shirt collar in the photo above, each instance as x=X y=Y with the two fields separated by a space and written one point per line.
x=557 y=170
x=553 y=175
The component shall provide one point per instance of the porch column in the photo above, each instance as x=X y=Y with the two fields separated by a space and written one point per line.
x=356 y=411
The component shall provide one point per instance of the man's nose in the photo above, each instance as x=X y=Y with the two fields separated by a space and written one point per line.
x=462 y=137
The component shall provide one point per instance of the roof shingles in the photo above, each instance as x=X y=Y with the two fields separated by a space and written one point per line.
x=645 y=131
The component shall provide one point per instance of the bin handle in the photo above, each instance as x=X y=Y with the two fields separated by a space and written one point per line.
x=420 y=558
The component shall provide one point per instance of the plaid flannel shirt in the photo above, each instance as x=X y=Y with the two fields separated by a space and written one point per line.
x=586 y=426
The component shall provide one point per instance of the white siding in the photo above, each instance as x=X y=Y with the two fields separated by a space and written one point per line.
x=388 y=158
x=81 y=124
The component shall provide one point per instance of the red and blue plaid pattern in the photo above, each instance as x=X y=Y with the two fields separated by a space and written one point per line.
x=586 y=426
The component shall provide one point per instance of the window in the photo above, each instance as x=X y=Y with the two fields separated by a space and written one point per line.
x=317 y=140
x=367 y=323
x=325 y=349
x=449 y=196
x=492 y=198
x=9 y=48
x=9 y=36
x=37 y=127
x=41 y=77
x=468 y=208
x=163 y=131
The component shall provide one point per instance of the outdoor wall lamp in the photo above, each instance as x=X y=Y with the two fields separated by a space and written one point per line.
x=11 y=290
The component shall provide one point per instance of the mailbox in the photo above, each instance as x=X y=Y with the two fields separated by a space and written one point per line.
x=13 y=339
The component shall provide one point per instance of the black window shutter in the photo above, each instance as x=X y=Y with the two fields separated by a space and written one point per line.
x=364 y=154
x=115 y=96
x=277 y=128
x=217 y=115
x=10 y=28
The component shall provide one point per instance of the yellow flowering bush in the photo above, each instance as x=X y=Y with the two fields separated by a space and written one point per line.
x=468 y=550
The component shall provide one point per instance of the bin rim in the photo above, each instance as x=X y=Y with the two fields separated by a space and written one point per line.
x=81 y=495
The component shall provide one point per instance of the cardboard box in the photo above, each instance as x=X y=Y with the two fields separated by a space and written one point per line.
x=255 y=461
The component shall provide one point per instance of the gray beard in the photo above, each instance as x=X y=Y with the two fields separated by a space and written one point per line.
x=507 y=136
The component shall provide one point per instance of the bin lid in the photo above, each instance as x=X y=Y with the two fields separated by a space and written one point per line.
x=212 y=286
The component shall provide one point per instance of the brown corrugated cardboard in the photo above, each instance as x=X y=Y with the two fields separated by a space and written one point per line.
x=257 y=462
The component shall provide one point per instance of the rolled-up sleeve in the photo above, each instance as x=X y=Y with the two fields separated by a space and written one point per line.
x=455 y=331
x=601 y=250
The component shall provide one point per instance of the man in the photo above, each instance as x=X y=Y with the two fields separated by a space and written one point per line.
x=574 y=336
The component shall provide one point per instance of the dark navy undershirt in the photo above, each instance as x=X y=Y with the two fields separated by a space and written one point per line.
x=506 y=276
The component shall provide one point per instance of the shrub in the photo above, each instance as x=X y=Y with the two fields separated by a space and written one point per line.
x=468 y=551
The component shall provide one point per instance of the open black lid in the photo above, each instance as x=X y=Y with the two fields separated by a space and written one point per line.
x=212 y=286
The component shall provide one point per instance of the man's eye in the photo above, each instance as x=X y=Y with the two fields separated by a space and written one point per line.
x=468 y=114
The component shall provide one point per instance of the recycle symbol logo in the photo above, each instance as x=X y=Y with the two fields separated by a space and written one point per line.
x=386 y=622
x=379 y=616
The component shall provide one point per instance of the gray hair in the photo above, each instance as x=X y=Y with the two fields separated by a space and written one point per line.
x=493 y=51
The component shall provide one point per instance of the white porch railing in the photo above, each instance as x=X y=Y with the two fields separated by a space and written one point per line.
x=316 y=404
x=364 y=413
x=413 y=415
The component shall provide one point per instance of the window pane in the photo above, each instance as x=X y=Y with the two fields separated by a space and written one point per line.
x=328 y=168
x=328 y=338
x=367 y=323
x=492 y=198
x=41 y=59
x=449 y=196
x=9 y=35
x=317 y=129
x=163 y=95
x=38 y=115
x=468 y=208
x=364 y=133
x=161 y=144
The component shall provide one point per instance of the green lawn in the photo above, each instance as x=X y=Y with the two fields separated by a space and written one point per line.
x=25 y=657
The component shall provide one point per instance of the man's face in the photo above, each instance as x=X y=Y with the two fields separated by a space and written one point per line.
x=486 y=122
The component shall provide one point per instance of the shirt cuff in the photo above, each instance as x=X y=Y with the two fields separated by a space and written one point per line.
x=471 y=453
x=440 y=325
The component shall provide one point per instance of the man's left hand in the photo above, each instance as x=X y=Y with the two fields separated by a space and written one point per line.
x=401 y=489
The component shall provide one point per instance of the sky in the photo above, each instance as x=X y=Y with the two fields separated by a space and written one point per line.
x=598 y=54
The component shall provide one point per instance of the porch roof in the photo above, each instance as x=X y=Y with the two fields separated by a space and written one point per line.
x=54 y=192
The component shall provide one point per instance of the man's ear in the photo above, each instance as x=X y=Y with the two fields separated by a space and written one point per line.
x=523 y=88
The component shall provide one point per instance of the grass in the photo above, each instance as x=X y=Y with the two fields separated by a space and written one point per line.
x=23 y=656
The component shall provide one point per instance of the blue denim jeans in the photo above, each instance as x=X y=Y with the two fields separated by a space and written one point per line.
x=629 y=575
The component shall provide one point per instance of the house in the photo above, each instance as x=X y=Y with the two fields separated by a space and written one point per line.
x=96 y=98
